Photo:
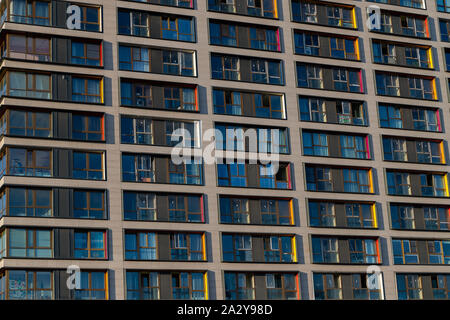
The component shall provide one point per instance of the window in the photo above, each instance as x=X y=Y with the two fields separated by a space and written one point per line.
x=440 y=284
x=234 y=210
x=88 y=54
x=182 y=133
x=89 y=204
x=390 y=116
x=279 y=249
x=395 y=149
x=268 y=106
x=321 y=214
x=402 y=216
x=187 y=286
x=428 y=151
x=274 y=180
x=425 y=120
x=309 y=76
x=363 y=251
x=360 y=215
x=386 y=23
x=225 y=67
x=312 y=109
x=354 y=147
x=30 y=124
x=178 y=63
x=26 y=162
x=87 y=90
x=222 y=34
x=237 y=248
x=143 y=285
x=184 y=208
x=357 y=180
x=420 y=88
x=87 y=127
x=340 y=17
x=29 y=285
x=139 y=206
x=343 y=48
x=417 y=57
x=398 y=183
x=136 y=130
x=303 y=11
x=136 y=94
x=433 y=185
x=412 y=26
x=186 y=173
x=350 y=113
x=88 y=165
x=281 y=286
x=444 y=26
x=24 y=202
x=266 y=71
x=325 y=250
x=177 y=28
x=227 y=102
x=443 y=6
x=29 y=85
x=239 y=286
x=436 y=218
x=315 y=144
x=187 y=246
x=134 y=58
x=30 y=243
x=318 y=179
x=327 y=286
x=138 y=168
x=387 y=84
x=405 y=251
x=264 y=39
x=93 y=286
x=180 y=99
x=28 y=48
x=90 y=18
x=276 y=212
x=384 y=52
x=90 y=244
x=30 y=12
x=134 y=23
x=306 y=43
x=409 y=287
x=222 y=5
x=232 y=174
x=360 y=289
x=141 y=246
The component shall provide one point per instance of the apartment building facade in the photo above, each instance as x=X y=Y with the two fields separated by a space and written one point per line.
x=91 y=107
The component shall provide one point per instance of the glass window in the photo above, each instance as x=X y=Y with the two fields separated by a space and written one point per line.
x=327 y=286
x=405 y=251
x=23 y=162
x=318 y=179
x=177 y=28
x=90 y=245
x=237 y=248
x=86 y=54
x=93 y=286
x=409 y=287
x=398 y=183
x=30 y=202
x=88 y=165
x=87 y=127
x=30 y=285
x=90 y=18
x=321 y=214
x=136 y=130
x=239 y=286
x=29 y=48
x=139 y=168
x=31 y=124
x=30 y=85
x=187 y=246
x=30 y=243
x=325 y=250
x=141 y=246
x=143 y=285
x=89 y=204
x=312 y=109
x=87 y=90
x=30 y=12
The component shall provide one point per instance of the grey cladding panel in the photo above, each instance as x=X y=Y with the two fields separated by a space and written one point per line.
x=155 y=26
x=161 y=168
x=163 y=246
x=156 y=61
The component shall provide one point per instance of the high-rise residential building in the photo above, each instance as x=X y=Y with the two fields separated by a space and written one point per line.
x=350 y=97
